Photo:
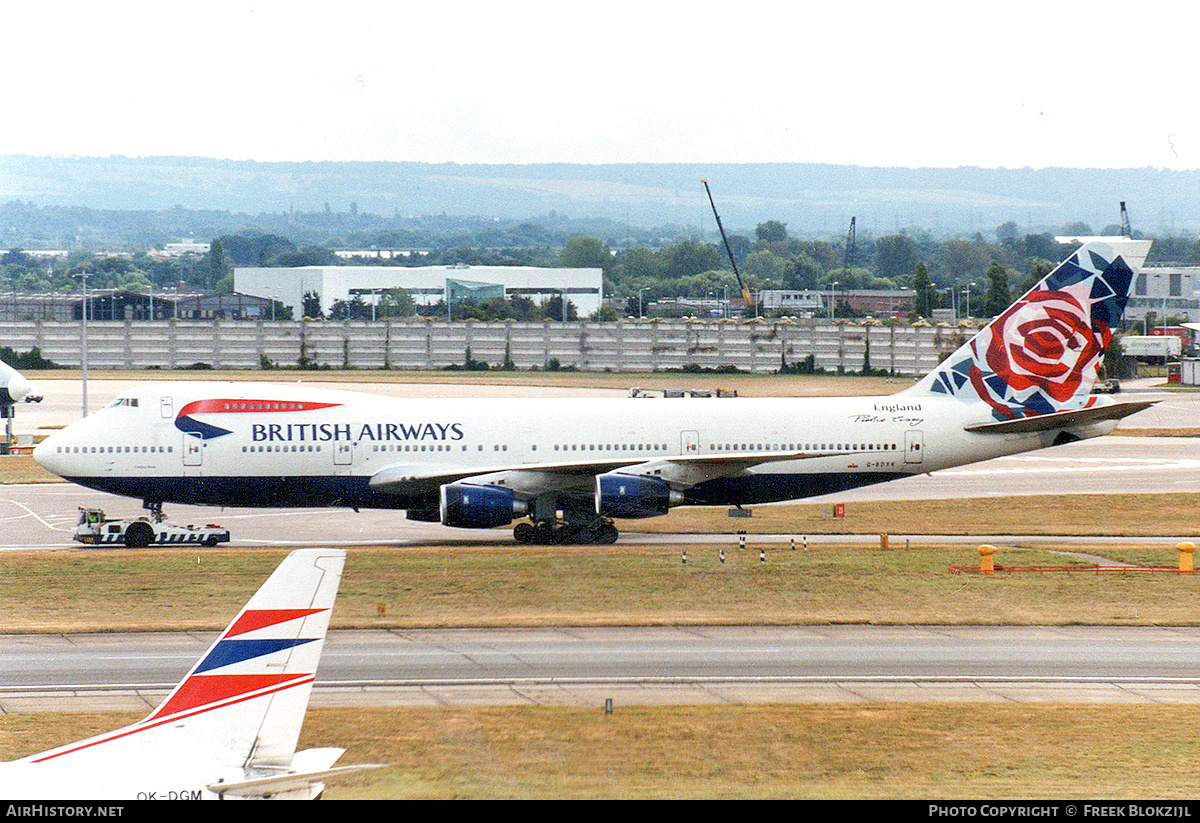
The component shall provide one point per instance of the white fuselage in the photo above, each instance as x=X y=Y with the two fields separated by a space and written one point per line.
x=262 y=444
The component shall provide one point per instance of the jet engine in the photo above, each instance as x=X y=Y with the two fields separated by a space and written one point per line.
x=466 y=506
x=630 y=496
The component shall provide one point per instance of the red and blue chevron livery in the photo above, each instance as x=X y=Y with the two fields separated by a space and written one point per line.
x=187 y=423
x=230 y=728
x=245 y=662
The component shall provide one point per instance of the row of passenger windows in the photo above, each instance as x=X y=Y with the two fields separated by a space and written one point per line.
x=612 y=447
x=662 y=447
x=113 y=449
x=588 y=447
x=418 y=447
x=654 y=447
x=807 y=447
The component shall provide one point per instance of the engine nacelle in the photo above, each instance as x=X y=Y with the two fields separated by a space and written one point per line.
x=631 y=496
x=465 y=506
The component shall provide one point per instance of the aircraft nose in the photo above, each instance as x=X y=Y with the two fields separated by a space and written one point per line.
x=14 y=387
x=18 y=387
x=46 y=454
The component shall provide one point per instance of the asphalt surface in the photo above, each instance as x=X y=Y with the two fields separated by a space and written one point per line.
x=661 y=665
x=585 y=666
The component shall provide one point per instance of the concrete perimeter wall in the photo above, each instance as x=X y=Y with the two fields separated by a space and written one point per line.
x=760 y=346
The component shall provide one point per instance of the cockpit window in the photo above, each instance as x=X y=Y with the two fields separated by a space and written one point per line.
x=124 y=401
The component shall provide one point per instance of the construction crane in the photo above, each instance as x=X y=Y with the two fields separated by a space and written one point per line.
x=849 y=248
x=745 y=291
x=1126 y=229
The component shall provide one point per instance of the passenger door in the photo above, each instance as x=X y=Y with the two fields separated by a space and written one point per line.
x=914 y=446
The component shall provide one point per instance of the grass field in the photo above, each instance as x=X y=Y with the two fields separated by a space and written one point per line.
x=153 y=589
x=867 y=750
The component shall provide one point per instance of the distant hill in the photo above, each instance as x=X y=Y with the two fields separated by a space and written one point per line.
x=814 y=200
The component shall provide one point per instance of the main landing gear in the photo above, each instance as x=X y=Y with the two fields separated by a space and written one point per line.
x=597 y=531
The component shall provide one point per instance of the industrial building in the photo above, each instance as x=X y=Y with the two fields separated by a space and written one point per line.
x=124 y=304
x=427 y=285
x=1163 y=291
x=867 y=301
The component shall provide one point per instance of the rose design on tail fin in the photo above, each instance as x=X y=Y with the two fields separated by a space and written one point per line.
x=1041 y=353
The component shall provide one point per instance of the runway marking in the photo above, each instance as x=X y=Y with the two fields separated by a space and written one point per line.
x=964 y=679
x=30 y=513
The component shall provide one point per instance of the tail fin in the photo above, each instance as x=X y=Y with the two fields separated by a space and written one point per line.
x=242 y=705
x=1042 y=355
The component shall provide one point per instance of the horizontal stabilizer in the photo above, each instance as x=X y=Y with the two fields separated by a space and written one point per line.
x=1062 y=419
x=277 y=784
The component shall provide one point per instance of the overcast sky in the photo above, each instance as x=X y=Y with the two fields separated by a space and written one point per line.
x=868 y=83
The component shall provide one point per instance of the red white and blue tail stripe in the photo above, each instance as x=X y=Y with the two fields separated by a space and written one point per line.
x=243 y=703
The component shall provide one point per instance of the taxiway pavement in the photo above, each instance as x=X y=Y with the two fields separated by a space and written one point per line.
x=586 y=666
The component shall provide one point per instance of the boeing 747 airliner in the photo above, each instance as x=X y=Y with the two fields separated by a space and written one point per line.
x=572 y=467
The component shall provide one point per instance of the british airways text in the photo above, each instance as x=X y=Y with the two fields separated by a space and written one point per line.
x=325 y=432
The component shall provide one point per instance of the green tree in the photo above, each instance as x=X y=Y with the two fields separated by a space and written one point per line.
x=395 y=303
x=924 y=293
x=1037 y=271
x=770 y=268
x=553 y=309
x=639 y=263
x=771 y=231
x=896 y=257
x=586 y=253
x=689 y=258
x=803 y=273
x=998 y=296
x=965 y=259
x=312 y=306
x=219 y=266
x=255 y=248
x=1007 y=230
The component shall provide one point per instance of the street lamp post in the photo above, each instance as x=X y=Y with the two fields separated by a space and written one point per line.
x=82 y=277
x=832 y=287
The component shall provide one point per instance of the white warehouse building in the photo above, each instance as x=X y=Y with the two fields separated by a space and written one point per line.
x=426 y=284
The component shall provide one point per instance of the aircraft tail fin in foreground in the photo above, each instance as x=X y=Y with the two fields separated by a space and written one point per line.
x=232 y=724
x=1042 y=355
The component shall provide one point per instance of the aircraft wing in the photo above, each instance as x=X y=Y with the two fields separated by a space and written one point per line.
x=533 y=479
x=1062 y=419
